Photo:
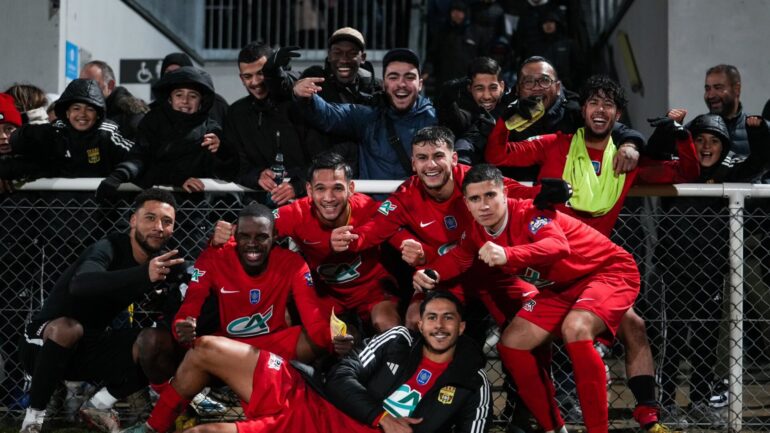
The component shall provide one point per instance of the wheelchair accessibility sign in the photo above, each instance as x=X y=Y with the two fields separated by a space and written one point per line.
x=140 y=71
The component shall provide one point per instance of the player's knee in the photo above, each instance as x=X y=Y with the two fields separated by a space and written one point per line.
x=204 y=347
x=64 y=331
x=153 y=342
x=633 y=331
x=576 y=329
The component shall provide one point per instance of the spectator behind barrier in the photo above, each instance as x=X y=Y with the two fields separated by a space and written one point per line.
x=80 y=144
x=264 y=123
x=349 y=79
x=10 y=120
x=31 y=102
x=555 y=45
x=122 y=107
x=384 y=132
x=177 y=142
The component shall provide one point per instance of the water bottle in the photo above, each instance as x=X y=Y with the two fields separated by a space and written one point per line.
x=278 y=169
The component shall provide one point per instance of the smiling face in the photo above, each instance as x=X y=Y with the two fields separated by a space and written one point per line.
x=152 y=226
x=185 y=100
x=433 y=164
x=81 y=116
x=486 y=90
x=709 y=149
x=486 y=201
x=538 y=80
x=345 y=58
x=402 y=85
x=440 y=325
x=330 y=191
x=252 y=77
x=254 y=239
x=721 y=97
x=600 y=114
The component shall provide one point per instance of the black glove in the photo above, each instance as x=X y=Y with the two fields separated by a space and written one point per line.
x=670 y=126
x=430 y=273
x=450 y=91
x=522 y=106
x=108 y=188
x=552 y=191
x=280 y=59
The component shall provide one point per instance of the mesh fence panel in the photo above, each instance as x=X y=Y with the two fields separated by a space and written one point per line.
x=681 y=246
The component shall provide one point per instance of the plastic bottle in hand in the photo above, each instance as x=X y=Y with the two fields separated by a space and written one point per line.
x=278 y=169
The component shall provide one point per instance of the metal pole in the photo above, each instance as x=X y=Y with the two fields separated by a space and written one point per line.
x=736 y=196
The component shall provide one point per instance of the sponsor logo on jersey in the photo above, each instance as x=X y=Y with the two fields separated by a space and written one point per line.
x=196 y=274
x=309 y=279
x=450 y=222
x=336 y=273
x=386 y=207
x=532 y=276
x=446 y=394
x=423 y=376
x=537 y=223
x=93 y=156
x=447 y=247
x=529 y=305
x=255 y=295
x=227 y=292
x=402 y=402
x=274 y=362
x=251 y=326
x=393 y=367
x=423 y=225
x=276 y=213
x=533 y=138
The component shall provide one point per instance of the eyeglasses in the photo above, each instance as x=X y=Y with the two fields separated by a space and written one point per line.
x=530 y=83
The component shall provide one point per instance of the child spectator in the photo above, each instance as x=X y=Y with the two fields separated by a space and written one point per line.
x=177 y=142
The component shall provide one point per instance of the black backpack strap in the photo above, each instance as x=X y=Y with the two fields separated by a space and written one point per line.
x=395 y=143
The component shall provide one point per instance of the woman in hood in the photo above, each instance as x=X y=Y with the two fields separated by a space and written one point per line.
x=177 y=142
x=80 y=144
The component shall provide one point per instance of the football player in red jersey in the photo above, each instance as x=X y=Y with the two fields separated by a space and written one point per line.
x=586 y=282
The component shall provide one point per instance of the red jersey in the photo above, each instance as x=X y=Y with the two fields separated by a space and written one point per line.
x=548 y=249
x=337 y=274
x=437 y=225
x=550 y=153
x=250 y=306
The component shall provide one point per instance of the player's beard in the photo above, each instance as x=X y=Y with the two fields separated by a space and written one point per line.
x=590 y=135
x=141 y=240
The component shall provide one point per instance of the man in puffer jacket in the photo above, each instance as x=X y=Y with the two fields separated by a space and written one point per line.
x=80 y=144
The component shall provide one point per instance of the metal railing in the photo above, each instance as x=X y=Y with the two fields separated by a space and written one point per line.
x=681 y=248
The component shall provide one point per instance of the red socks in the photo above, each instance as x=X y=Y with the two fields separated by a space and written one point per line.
x=169 y=406
x=591 y=382
x=534 y=384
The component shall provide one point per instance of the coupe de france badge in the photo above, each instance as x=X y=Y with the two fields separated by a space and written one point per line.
x=537 y=223
x=423 y=376
x=450 y=222
x=255 y=295
x=446 y=394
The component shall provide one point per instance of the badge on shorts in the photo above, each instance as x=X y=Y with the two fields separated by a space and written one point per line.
x=423 y=376
x=255 y=295
x=537 y=223
x=529 y=305
x=274 y=362
x=446 y=394
x=450 y=222
x=93 y=156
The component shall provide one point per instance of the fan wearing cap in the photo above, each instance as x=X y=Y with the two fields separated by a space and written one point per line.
x=177 y=142
x=384 y=131
x=10 y=120
x=349 y=78
x=80 y=144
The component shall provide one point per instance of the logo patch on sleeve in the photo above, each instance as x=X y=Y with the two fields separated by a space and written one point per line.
x=197 y=274
x=309 y=279
x=537 y=223
x=386 y=207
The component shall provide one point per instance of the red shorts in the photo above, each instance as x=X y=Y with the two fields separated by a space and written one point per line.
x=281 y=400
x=608 y=294
x=282 y=343
x=361 y=299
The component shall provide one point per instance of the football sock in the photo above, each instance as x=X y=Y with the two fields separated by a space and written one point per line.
x=50 y=366
x=169 y=406
x=591 y=384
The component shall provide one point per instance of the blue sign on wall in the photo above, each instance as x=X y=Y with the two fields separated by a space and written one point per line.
x=71 y=61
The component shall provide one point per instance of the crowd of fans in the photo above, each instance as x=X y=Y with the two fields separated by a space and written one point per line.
x=538 y=258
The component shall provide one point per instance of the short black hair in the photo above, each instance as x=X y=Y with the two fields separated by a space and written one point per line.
x=537 y=59
x=435 y=134
x=154 y=194
x=484 y=65
x=257 y=210
x=442 y=294
x=253 y=52
x=482 y=173
x=329 y=161
x=606 y=85
x=729 y=70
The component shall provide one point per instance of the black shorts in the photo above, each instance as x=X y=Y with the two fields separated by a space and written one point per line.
x=101 y=355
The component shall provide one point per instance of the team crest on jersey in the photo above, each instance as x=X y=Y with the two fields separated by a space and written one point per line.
x=423 y=376
x=386 y=207
x=450 y=222
x=274 y=362
x=252 y=325
x=255 y=295
x=93 y=156
x=196 y=274
x=309 y=279
x=446 y=395
x=275 y=213
x=447 y=247
x=537 y=223
x=529 y=305
x=340 y=272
